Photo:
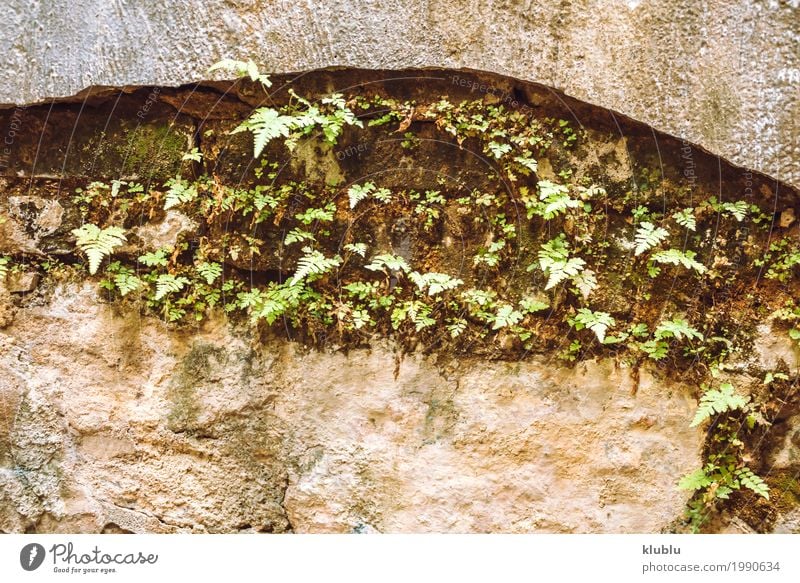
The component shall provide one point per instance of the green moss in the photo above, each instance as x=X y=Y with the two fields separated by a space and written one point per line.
x=183 y=390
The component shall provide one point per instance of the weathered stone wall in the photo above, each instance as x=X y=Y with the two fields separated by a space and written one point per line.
x=114 y=421
x=721 y=73
x=111 y=420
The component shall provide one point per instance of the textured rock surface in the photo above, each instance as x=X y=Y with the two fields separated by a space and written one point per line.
x=722 y=74
x=109 y=421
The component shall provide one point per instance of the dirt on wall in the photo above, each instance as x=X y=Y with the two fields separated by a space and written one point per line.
x=375 y=402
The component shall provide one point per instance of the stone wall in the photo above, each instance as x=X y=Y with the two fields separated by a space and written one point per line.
x=112 y=420
x=719 y=73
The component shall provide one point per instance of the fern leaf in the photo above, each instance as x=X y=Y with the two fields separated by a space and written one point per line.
x=716 y=401
x=167 y=284
x=678 y=257
x=389 y=262
x=313 y=263
x=357 y=248
x=597 y=322
x=648 y=236
x=266 y=124
x=98 y=243
x=4 y=261
x=697 y=480
x=753 y=482
x=209 y=271
x=297 y=235
x=357 y=193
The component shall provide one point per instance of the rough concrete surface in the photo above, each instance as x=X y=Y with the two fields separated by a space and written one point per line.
x=110 y=421
x=721 y=73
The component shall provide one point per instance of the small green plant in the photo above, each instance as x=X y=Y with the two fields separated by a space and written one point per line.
x=725 y=470
x=678 y=257
x=4 y=263
x=555 y=262
x=98 y=243
x=314 y=264
x=597 y=322
x=685 y=218
x=648 y=236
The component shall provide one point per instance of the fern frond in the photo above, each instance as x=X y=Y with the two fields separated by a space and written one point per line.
x=297 y=235
x=4 y=261
x=434 y=282
x=753 y=482
x=266 y=124
x=648 y=236
x=209 y=271
x=678 y=257
x=677 y=328
x=357 y=248
x=98 y=243
x=716 y=401
x=597 y=322
x=388 y=262
x=357 y=193
x=167 y=283
x=313 y=263
x=697 y=480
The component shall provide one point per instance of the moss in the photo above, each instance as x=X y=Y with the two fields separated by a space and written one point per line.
x=183 y=390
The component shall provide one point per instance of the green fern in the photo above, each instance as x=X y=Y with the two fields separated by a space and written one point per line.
x=555 y=262
x=266 y=124
x=752 y=482
x=4 y=262
x=156 y=258
x=357 y=193
x=122 y=279
x=597 y=322
x=678 y=257
x=506 y=317
x=323 y=215
x=357 y=248
x=210 y=272
x=167 y=283
x=242 y=69
x=180 y=192
x=696 y=480
x=685 y=218
x=435 y=283
x=298 y=235
x=314 y=263
x=715 y=401
x=98 y=243
x=677 y=328
x=388 y=262
x=648 y=236
x=554 y=199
